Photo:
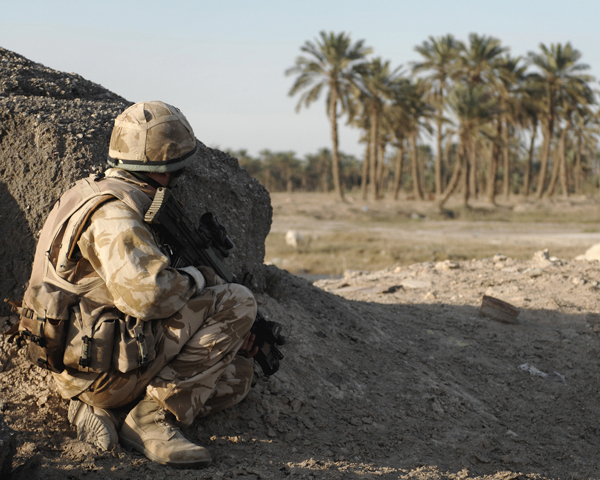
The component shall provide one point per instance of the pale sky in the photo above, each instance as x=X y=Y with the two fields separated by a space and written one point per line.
x=222 y=62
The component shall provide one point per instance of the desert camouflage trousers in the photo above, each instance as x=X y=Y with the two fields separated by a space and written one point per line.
x=196 y=370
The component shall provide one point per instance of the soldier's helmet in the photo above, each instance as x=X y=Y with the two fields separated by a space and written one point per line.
x=151 y=137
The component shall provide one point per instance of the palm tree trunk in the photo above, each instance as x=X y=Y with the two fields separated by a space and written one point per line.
x=548 y=132
x=453 y=182
x=398 y=172
x=465 y=175
x=417 y=191
x=564 y=172
x=578 y=166
x=564 y=176
x=380 y=168
x=446 y=161
x=527 y=175
x=556 y=159
x=335 y=158
x=438 y=157
x=493 y=171
x=473 y=170
x=491 y=180
x=373 y=155
x=365 y=171
x=544 y=158
x=506 y=162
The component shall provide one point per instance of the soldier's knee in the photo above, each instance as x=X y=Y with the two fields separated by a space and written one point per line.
x=244 y=297
x=246 y=305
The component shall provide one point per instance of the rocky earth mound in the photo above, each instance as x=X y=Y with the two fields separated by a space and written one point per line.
x=55 y=128
x=390 y=374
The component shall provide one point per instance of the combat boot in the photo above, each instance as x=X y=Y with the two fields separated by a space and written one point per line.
x=94 y=425
x=148 y=429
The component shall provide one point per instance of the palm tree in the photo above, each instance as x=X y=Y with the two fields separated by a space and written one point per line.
x=559 y=72
x=579 y=96
x=418 y=113
x=439 y=59
x=478 y=60
x=331 y=65
x=531 y=107
x=474 y=107
x=510 y=77
x=478 y=65
x=377 y=86
x=586 y=129
x=398 y=116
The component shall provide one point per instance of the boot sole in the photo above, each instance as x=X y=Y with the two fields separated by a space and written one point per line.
x=131 y=445
x=92 y=429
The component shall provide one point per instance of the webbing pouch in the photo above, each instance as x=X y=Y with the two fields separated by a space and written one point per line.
x=135 y=344
x=45 y=338
x=90 y=341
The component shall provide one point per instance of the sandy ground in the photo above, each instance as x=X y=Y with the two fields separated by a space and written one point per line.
x=388 y=374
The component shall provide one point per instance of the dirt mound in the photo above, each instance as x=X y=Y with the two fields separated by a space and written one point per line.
x=388 y=374
x=55 y=128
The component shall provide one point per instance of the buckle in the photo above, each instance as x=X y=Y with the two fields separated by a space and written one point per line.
x=38 y=340
x=85 y=360
x=143 y=357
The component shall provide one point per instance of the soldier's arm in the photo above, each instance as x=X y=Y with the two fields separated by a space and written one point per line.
x=122 y=250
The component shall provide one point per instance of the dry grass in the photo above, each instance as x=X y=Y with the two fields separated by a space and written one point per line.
x=367 y=235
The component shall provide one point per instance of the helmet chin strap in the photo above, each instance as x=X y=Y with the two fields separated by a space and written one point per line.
x=145 y=178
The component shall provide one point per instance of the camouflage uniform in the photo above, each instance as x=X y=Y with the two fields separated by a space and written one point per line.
x=194 y=330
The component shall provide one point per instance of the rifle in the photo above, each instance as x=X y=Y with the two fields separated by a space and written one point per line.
x=209 y=245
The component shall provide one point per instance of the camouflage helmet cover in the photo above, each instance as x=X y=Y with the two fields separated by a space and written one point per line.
x=151 y=137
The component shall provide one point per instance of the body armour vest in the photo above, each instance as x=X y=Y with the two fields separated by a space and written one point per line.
x=55 y=296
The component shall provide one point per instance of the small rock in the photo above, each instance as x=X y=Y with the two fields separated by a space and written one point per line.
x=446 y=265
x=541 y=259
x=499 y=258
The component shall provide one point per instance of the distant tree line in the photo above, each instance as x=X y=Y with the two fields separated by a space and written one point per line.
x=284 y=171
x=500 y=124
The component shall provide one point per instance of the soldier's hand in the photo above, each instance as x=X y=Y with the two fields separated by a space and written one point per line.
x=247 y=350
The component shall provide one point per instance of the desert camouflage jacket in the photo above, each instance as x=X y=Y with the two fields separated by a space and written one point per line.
x=118 y=253
x=119 y=247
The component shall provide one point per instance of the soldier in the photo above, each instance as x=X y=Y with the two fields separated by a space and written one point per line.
x=137 y=330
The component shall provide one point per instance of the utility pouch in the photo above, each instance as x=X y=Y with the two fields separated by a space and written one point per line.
x=90 y=341
x=45 y=338
x=135 y=344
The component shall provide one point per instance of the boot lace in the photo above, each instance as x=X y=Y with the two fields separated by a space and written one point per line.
x=164 y=422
